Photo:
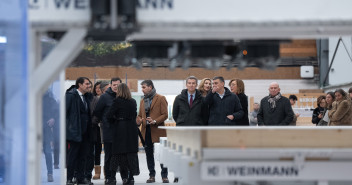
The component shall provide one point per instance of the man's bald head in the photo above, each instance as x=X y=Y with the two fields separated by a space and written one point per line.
x=274 y=84
x=274 y=89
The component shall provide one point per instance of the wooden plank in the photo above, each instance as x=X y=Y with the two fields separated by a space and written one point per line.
x=305 y=45
x=318 y=91
x=282 y=138
x=298 y=41
x=73 y=73
x=305 y=94
x=297 y=55
x=297 y=45
x=304 y=121
x=251 y=102
x=298 y=50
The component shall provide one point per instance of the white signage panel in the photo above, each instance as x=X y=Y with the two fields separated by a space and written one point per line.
x=239 y=11
x=275 y=170
x=59 y=11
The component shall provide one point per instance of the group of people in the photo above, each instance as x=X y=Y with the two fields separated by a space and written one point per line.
x=334 y=109
x=214 y=104
x=109 y=115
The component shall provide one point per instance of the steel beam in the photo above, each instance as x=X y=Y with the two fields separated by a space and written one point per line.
x=41 y=74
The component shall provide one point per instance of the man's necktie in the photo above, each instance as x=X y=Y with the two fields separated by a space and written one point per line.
x=84 y=102
x=191 y=101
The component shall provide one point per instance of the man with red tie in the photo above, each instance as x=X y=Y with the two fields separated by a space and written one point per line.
x=189 y=108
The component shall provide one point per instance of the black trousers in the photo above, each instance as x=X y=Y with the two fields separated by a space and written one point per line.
x=90 y=160
x=97 y=149
x=109 y=174
x=125 y=174
x=149 y=151
x=77 y=158
x=128 y=163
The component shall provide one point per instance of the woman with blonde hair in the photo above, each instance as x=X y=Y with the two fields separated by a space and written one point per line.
x=341 y=112
x=122 y=116
x=237 y=87
x=205 y=86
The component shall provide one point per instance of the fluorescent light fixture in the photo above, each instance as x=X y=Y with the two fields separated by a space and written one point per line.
x=3 y=39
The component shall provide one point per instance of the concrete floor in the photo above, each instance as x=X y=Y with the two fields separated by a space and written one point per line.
x=140 y=179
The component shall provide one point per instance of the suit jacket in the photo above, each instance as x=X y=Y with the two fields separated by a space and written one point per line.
x=158 y=112
x=78 y=120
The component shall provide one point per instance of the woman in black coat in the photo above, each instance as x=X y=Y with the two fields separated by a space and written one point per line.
x=122 y=115
x=318 y=112
x=237 y=87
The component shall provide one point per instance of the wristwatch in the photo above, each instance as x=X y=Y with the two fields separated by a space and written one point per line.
x=154 y=121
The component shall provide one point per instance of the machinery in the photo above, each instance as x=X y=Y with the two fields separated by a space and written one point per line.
x=258 y=155
x=210 y=34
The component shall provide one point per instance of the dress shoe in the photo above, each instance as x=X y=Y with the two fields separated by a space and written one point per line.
x=131 y=182
x=69 y=182
x=50 y=178
x=165 y=180
x=74 y=180
x=151 y=180
x=85 y=181
x=124 y=181
x=110 y=182
x=176 y=180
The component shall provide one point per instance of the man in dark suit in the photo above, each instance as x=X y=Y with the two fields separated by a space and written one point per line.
x=78 y=125
x=101 y=109
x=189 y=108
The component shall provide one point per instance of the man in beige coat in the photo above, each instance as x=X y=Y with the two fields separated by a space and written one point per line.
x=152 y=114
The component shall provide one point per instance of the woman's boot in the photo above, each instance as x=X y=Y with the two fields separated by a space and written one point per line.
x=97 y=170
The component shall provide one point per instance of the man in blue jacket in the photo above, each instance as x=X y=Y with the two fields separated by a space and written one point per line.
x=225 y=107
x=78 y=124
